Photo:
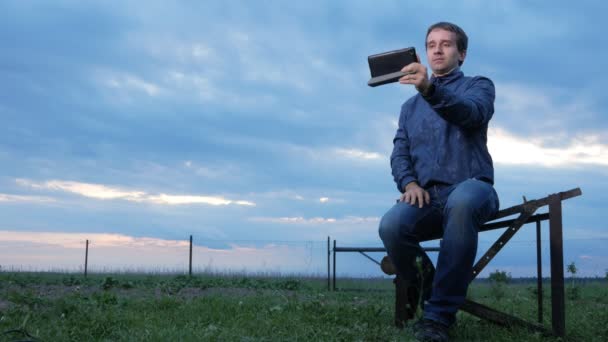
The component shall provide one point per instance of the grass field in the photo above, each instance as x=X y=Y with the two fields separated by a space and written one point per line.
x=64 y=307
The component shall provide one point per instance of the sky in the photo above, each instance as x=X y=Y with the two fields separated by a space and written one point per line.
x=250 y=126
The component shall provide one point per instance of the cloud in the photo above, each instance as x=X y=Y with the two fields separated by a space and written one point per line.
x=333 y=154
x=507 y=148
x=544 y=109
x=127 y=82
x=205 y=65
x=176 y=200
x=586 y=233
x=221 y=171
x=104 y=192
x=358 y=154
x=198 y=85
x=77 y=240
x=262 y=61
x=21 y=198
x=324 y=199
x=279 y=195
x=317 y=220
x=96 y=191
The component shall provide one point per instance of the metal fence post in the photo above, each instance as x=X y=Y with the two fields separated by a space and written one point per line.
x=190 y=263
x=334 y=265
x=86 y=258
x=539 y=274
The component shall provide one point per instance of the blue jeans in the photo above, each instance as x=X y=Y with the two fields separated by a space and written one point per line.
x=456 y=212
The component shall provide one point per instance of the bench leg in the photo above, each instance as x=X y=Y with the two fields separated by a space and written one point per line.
x=558 y=311
x=406 y=302
x=407 y=295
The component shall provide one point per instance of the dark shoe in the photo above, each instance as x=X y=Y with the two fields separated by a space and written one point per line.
x=431 y=331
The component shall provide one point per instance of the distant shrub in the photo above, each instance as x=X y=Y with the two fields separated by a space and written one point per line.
x=500 y=277
x=572 y=269
x=533 y=291
x=127 y=285
x=290 y=284
x=71 y=281
x=104 y=299
x=108 y=283
x=573 y=291
x=498 y=280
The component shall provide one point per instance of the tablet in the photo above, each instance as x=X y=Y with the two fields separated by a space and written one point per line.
x=386 y=67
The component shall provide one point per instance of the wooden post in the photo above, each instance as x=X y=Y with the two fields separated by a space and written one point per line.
x=190 y=264
x=558 y=305
x=86 y=258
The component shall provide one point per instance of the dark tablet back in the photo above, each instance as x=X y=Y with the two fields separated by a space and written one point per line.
x=385 y=67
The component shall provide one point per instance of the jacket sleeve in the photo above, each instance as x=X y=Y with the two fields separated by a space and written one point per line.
x=401 y=162
x=471 y=109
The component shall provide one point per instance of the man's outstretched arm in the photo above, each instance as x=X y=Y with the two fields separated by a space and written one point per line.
x=471 y=109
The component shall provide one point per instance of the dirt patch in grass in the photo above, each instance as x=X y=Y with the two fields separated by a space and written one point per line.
x=195 y=292
x=5 y=305
x=186 y=293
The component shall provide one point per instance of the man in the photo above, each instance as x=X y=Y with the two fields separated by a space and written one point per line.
x=442 y=167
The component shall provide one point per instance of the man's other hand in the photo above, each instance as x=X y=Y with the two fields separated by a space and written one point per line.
x=415 y=194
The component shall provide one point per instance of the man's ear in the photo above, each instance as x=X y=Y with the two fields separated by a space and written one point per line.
x=462 y=56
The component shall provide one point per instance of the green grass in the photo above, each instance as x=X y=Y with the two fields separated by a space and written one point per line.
x=63 y=307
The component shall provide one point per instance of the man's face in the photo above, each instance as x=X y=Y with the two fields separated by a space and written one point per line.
x=442 y=51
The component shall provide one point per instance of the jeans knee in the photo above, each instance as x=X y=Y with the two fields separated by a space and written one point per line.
x=461 y=208
x=473 y=199
x=401 y=223
x=386 y=230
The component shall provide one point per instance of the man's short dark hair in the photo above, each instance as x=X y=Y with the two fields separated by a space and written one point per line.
x=462 y=41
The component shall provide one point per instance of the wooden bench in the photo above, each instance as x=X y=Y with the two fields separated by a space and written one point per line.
x=526 y=214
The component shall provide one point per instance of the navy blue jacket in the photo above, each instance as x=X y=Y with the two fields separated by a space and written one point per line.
x=443 y=138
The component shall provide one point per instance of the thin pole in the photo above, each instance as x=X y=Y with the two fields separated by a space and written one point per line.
x=334 y=265
x=86 y=258
x=190 y=264
x=328 y=266
x=539 y=274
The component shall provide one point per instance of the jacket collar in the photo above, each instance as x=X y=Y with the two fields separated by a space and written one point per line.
x=453 y=75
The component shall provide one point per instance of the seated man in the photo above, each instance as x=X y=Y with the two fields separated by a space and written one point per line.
x=442 y=167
